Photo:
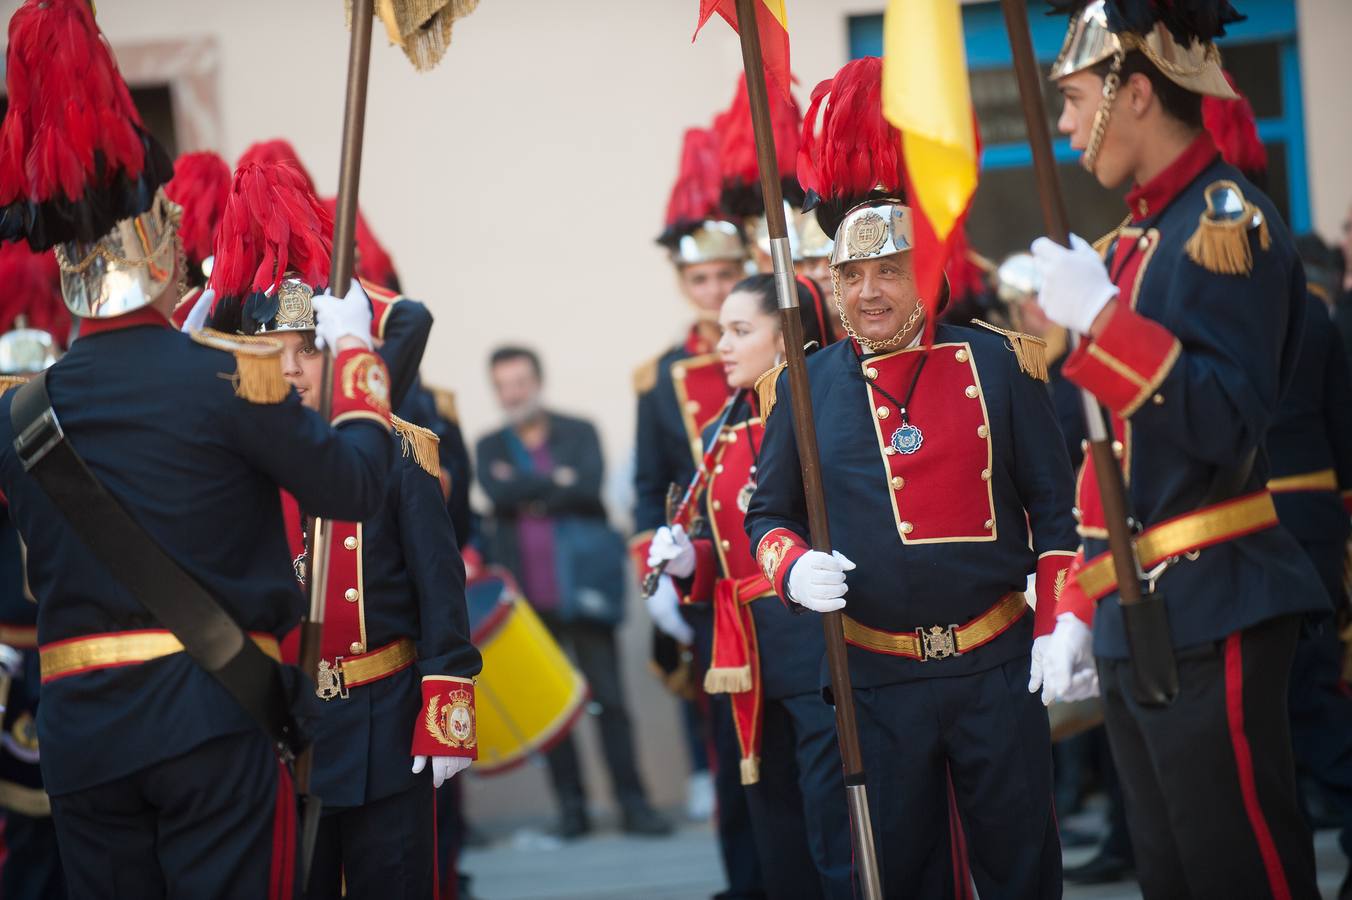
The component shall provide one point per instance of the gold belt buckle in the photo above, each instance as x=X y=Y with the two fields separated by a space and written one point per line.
x=329 y=682
x=938 y=642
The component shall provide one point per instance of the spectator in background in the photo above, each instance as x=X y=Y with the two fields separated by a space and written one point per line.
x=542 y=471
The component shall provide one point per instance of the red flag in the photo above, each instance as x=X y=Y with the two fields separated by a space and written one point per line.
x=773 y=25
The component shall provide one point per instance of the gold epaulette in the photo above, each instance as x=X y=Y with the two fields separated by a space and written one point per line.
x=1221 y=242
x=258 y=364
x=419 y=443
x=645 y=376
x=1105 y=243
x=1030 y=351
x=446 y=406
x=11 y=381
x=766 y=391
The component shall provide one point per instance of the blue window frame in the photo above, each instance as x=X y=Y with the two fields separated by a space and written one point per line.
x=1281 y=126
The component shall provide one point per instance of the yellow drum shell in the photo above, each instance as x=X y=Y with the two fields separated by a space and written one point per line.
x=529 y=695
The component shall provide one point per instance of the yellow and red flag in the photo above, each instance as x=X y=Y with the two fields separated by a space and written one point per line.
x=926 y=94
x=773 y=25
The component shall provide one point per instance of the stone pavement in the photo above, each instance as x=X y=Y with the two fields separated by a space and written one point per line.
x=609 y=866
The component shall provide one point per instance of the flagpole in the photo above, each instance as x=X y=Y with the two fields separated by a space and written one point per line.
x=1155 y=667
x=865 y=852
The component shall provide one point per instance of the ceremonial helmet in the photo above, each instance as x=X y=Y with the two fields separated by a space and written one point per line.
x=35 y=322
x=272 y=252
x=79 y=172
x=1176 y=36
x=696 y=230
x=200 y=186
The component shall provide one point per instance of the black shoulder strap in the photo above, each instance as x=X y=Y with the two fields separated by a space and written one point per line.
x=176 y=600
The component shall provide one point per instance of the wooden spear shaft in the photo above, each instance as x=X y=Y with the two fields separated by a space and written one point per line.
x=1112 y=489
x=865 y=853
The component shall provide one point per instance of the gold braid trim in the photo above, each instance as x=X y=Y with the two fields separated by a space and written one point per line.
x=765 y=390
x=1222 y=245
x=1030 y=351
x=420 y=443
x=724 y=680
x=750 y=770
x=11 y=381
x=258 y=364
x=1105 y=243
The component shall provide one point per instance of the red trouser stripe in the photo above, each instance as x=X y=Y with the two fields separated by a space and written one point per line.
x=283 y=876
x=1234 y=708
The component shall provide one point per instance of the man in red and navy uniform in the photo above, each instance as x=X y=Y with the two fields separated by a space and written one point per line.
x=1192 y=322
x=161 y=783
x=947 y=484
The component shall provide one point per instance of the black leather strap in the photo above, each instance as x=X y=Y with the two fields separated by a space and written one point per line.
x=172 y=596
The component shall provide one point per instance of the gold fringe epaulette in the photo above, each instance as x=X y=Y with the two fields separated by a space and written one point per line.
x=258 y=364
x=1030 y=351
x=723 y=680
x=11 y=381
x=446 y=405
x=645 y=376
x=1221 y=242
x=766 y=390
x=419 y=443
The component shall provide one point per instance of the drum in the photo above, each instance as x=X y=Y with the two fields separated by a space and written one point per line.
x=529 y=695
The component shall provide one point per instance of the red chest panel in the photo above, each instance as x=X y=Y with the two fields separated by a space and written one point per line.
x=702 y=392
x=344 y=602
x=942 y=490
x=731 y=483
x=1131 y=256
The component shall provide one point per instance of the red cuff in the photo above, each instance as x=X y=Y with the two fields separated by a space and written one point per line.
x=446 y=725
x=776 y=553
x=361 y=387
x=1125 y=365
x=382 y=303
x=701 y=588
x=1053 y=576
x=1073 y=599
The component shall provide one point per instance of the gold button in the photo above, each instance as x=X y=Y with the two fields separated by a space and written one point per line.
x=890 y=450
x=1158 y=399
x=907 y=528
x=985 y=474
x=990 y=523
x=692 y=406
x=982 y=431
x=357 y=647
x=725 y=544
x=1143 y=243
x=882 y=412
x=1076 y=514
x=960 y=356
x=872 y=373
x=350 y=542
x=717 y=505
x=718 y=469
x=1084 y=444
x=1143 y=207
x=351 y=595
x=970 y=392
x=898 y=482
x=730 y=437
x=1117 y=449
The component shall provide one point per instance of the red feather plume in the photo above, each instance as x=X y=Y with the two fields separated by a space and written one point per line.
x=200 y=185
x=848 y=149
x=694 y=196
x=32 y=289
x=1235 y=131
x=373 y=262
x=272 y=224
x=277 y=150
x=738 y=164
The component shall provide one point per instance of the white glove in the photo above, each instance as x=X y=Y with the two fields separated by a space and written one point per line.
x=817 y=580
x=11 y=662
x=1035 y=663
x=349 y=317
x=1075 y=285
x=1068 y=672
x=672 y=546
x=197 y=316
x=444 y=768
x=664 y=606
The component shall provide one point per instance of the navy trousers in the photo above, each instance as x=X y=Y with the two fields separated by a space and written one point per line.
x=798 y=809
x=986 y=733
x=385 y=849
x=1209 y=780
x=32 y=869
x=216 y=823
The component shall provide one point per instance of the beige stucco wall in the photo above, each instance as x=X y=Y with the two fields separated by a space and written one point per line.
x=520 y=184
